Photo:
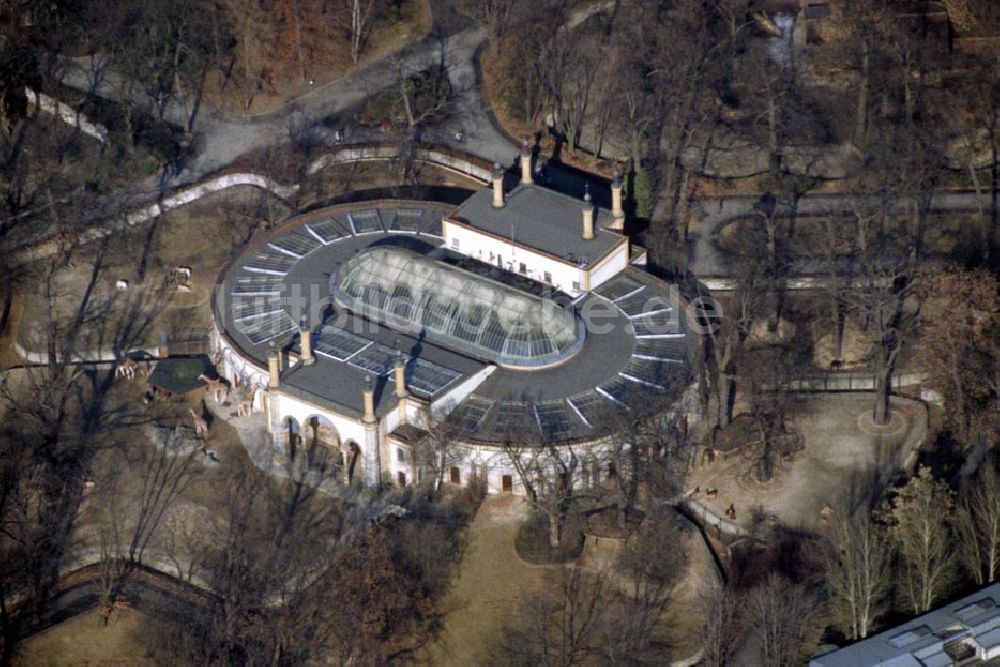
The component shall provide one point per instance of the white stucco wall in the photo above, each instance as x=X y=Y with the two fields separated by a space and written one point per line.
x=446 y=402
x=610 y=266
x=487 y=249
x=289 y=406
x=238 y=369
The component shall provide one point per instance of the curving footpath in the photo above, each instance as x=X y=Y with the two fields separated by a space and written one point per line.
x=708 y=262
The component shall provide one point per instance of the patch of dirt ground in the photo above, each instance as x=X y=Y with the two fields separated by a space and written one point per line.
x=841 y=448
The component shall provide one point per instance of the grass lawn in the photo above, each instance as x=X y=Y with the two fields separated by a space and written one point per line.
x=490 y=585
x=82 y=641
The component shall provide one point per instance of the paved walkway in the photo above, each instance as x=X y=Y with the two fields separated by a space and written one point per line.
x=707 y=260
x=222 y=136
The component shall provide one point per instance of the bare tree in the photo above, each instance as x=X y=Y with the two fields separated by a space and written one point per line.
x=958 y=310
x=920 y=516
x=548 y=474
x=765 y=373
x=434 y=454
x=781 y=613
x=857 y=563
x=977 y=523
x=562 y=625
x=880 y=298
x=651 y=564
x=357 y=16
x=723 y=625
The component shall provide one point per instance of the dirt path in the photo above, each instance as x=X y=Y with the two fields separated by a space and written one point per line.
x=490 y=585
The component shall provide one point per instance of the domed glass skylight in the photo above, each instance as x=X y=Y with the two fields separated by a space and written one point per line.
x=456 y=308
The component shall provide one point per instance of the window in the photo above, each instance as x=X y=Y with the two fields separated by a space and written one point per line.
x=400 y=455
x=576 y=285
x=455 y=475
x=454 y=242
x=500 y=261
x=401 y=478
x=523 y=269
x=547 y=277
x=507 y=483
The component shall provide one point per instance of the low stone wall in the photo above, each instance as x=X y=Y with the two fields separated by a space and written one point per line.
x=709 y=519
x=195 y=192
x=96 y=357
x=66 y=114
x=462 y=164
x=137 y=216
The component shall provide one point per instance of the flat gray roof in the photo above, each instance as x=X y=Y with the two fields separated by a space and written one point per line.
x=543 y=220
x=921 y=641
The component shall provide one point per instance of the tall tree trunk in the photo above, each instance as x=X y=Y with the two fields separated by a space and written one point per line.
x=296 y=22
x=406 y=97
x=958 y=392
x=861 y=111
x=837 y=321
x=883 y=386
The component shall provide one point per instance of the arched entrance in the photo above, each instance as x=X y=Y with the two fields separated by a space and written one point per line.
x=353 y=465
x=292 y=432
x=322 y=444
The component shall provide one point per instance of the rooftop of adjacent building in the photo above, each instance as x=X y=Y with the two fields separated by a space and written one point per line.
x=936 y=638
x=541 y=219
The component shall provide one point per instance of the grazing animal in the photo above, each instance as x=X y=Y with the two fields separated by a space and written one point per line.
x=836 y=364
x=825 y=512
x=200 y=424
x=244 y=404
x=711 y=493
x=218 y=388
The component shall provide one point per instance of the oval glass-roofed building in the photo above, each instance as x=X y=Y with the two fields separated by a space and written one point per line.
x=366 y=331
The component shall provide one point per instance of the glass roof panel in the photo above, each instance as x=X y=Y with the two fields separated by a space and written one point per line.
x=456 y=308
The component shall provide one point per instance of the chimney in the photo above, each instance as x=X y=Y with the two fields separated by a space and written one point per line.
x=369 y=394
x=273 y=366
x=525 y=163
x=498 y=200
x=305 y=342
x=400 y=369
x=617 y=211
x=588 y=216
x=401 y=392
